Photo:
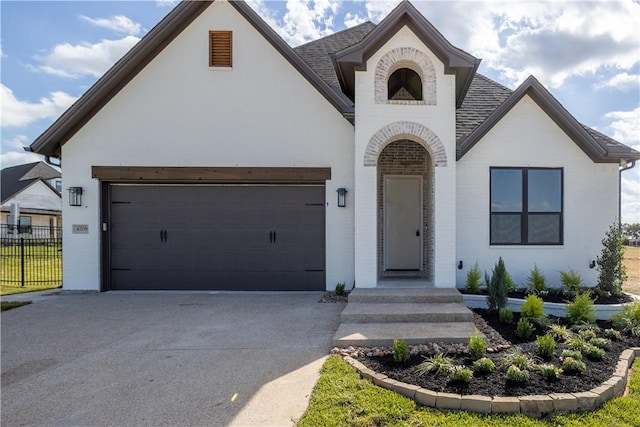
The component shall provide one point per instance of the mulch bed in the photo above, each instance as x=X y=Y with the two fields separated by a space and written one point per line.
x=495 y=384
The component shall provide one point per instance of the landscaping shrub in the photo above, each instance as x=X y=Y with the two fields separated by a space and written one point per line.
x=628 y=320
x=536 y=282
x=401 y=351
x=477 y=346
x=580 y=309
x=461 y=374
x=588 y=334
x=559 y=332
x=571 y=283
x=484 y=365
x=545 y=346
x=612 y=272
x=517 y=375
x=532 y=308
x=505 y=315
x=340 y=289
x=524 y=329
x=517 y=358
x=474 y=276
x=577 y=343
x=437 y=365
x=571 y=365
x=613 y=334
x=550 y=372
x=498 y=286
x=574 y=354
x=593 y=352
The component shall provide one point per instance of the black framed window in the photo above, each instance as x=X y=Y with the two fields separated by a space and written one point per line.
x=526 y=206
x=24 y=225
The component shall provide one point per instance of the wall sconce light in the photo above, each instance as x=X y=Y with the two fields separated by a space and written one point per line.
x=460 y=265
x=75 y=196
x=592 y=264
x=342 y=197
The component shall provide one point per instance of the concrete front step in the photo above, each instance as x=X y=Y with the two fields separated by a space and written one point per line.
x=383 y=334
x=405 y=312
x=409 y=295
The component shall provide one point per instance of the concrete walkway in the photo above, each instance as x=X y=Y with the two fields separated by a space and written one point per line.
x=163 y=358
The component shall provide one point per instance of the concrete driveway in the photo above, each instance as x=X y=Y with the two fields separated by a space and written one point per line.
x=164 y=358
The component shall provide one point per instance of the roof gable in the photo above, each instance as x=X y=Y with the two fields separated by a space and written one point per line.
x=597 y=146
x=456 y=61
x=123 y=71
x=17 y=178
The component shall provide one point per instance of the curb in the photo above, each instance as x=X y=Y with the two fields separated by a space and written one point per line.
x=535 y=406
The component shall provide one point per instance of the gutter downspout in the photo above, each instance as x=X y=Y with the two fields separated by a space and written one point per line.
x=47 y=159
x=624 y=166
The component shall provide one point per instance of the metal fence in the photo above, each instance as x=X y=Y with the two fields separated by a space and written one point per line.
x=30 y=256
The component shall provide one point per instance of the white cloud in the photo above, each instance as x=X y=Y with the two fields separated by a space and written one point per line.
x=621 y=81
x=630 y=196
x=85 y=59
x=625 y=126
x=119 y=24
x=351 y=20
x=13 y=152
x=18 y=113
x=167 y=3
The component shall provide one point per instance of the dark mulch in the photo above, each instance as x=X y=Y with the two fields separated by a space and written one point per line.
x=495 y=384
x=554 y=295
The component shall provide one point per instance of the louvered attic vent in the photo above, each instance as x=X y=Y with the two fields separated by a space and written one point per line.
x=220 y=49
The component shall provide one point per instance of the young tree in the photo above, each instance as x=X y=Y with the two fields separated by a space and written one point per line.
x=612 y=272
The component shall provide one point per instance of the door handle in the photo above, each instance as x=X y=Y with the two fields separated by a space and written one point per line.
x=165 y=235
x=418 y=232
x=271 y=237
x=274 y=237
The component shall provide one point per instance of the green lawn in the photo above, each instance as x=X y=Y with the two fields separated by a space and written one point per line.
x=342 y=398
x=8 y=305
x=42 y=266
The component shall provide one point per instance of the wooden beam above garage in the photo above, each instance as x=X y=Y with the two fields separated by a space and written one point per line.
x=210 y=174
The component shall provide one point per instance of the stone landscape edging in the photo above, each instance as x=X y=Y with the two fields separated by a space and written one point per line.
x=558 y=309
x=535 y=406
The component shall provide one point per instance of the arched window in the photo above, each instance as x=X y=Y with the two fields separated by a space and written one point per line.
x=404 y=85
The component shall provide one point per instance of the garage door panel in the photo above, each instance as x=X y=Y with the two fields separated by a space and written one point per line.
x=217 y=237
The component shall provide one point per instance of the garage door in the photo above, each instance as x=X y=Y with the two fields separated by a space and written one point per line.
x=250 y=237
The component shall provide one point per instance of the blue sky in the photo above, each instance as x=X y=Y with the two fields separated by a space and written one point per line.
x=587 y=53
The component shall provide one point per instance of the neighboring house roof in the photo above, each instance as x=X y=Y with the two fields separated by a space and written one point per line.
x=329 y=64
x=17 y=178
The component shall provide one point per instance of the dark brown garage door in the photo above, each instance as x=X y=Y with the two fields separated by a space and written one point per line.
x=251 y=237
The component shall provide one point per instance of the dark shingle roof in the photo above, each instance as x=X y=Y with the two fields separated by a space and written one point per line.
x=483 y=97
x=317 y=53
x=17 y=178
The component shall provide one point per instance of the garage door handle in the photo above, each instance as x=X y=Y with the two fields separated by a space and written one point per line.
x=271 y=237
x=274 y=237
x=163 y=235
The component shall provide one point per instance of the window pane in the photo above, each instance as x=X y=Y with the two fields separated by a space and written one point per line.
x=506 y=190
x=505 y=229
x=544 y=228
x=545 y=190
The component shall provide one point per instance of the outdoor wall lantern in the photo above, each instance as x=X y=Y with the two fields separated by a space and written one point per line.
x=342 y=197
x=460 y=265
x=592 y=264
x=75 y=196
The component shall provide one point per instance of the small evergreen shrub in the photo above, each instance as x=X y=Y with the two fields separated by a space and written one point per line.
x=532 y=308
x=474 y=276
x=574 y=354
x=550 y=372
x=498 y=286
x=576 y=343
x=628 y=320
x=340 y=289
x=587 y=334
x=571 y=283
x=505 y=315
x=517 y=375
x=484 y=365
x=401 y=351
x=545 y=346
x=580 y=310
x=461 y=374
x=477 y=346
x=536 y=282
x=612 y=272
x=559 y=332
x=613 y=334
x=571 y=365
x=524 y=329
x=593 y=352
x=438 y=364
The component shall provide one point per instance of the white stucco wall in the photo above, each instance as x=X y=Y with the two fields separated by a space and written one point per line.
x=527 y=137
x=371 y=117
x=180 y=112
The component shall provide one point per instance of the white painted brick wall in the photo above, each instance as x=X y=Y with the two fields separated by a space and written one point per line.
x=527 y=137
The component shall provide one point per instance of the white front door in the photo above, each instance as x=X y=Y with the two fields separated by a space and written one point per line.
x=403 y=223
